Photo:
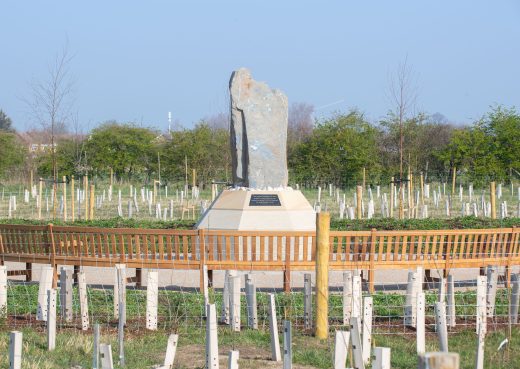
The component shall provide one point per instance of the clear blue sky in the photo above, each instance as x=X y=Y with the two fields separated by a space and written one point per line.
x=137 y=60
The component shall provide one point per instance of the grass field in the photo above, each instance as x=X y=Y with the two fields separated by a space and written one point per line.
x=181 y=312
x=143 y=349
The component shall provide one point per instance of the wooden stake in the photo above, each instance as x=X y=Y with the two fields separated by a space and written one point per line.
x=64 y=198
x=453 y=180
x=359 y=199
x=40 y=198
x=322 y=275
x=364 y=178
x=72 y=202
x=422 y=188
x=392 y=197
x=85 y=190
x=91 y=202
x=492 y=193
x=193 y=178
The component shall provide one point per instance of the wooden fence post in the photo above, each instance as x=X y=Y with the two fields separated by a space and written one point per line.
x=322 y=275
x=52 y=248
x=203 y=277
x=372 y=256
x=287 y=271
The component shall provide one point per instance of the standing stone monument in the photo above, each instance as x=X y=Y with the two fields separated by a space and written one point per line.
x=259 y=198
x=258 y=133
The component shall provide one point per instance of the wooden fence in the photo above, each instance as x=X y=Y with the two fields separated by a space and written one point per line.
x=257 y=250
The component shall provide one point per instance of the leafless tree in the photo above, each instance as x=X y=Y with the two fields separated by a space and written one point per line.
x=300 y=122
x=51 y=103
x=218 y=121
x=403 y=96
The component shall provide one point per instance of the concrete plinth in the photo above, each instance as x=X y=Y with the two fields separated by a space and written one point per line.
x=259 y=210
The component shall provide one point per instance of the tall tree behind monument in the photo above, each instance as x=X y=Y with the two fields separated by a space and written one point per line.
x=258 y=133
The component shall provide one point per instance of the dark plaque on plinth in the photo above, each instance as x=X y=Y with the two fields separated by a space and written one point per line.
x=264 y=200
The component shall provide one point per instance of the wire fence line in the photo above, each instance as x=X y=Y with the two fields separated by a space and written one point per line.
x=180 y=304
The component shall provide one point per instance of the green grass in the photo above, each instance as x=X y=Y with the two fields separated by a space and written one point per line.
x=143 y=349
x=182 y=312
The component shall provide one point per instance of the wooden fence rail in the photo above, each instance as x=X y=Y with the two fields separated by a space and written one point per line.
x=257 y=250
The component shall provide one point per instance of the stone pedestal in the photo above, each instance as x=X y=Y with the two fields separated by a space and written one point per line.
x=259 y=210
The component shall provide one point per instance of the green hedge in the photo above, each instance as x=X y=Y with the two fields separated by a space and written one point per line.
x=430 y=223
x=336 y=224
